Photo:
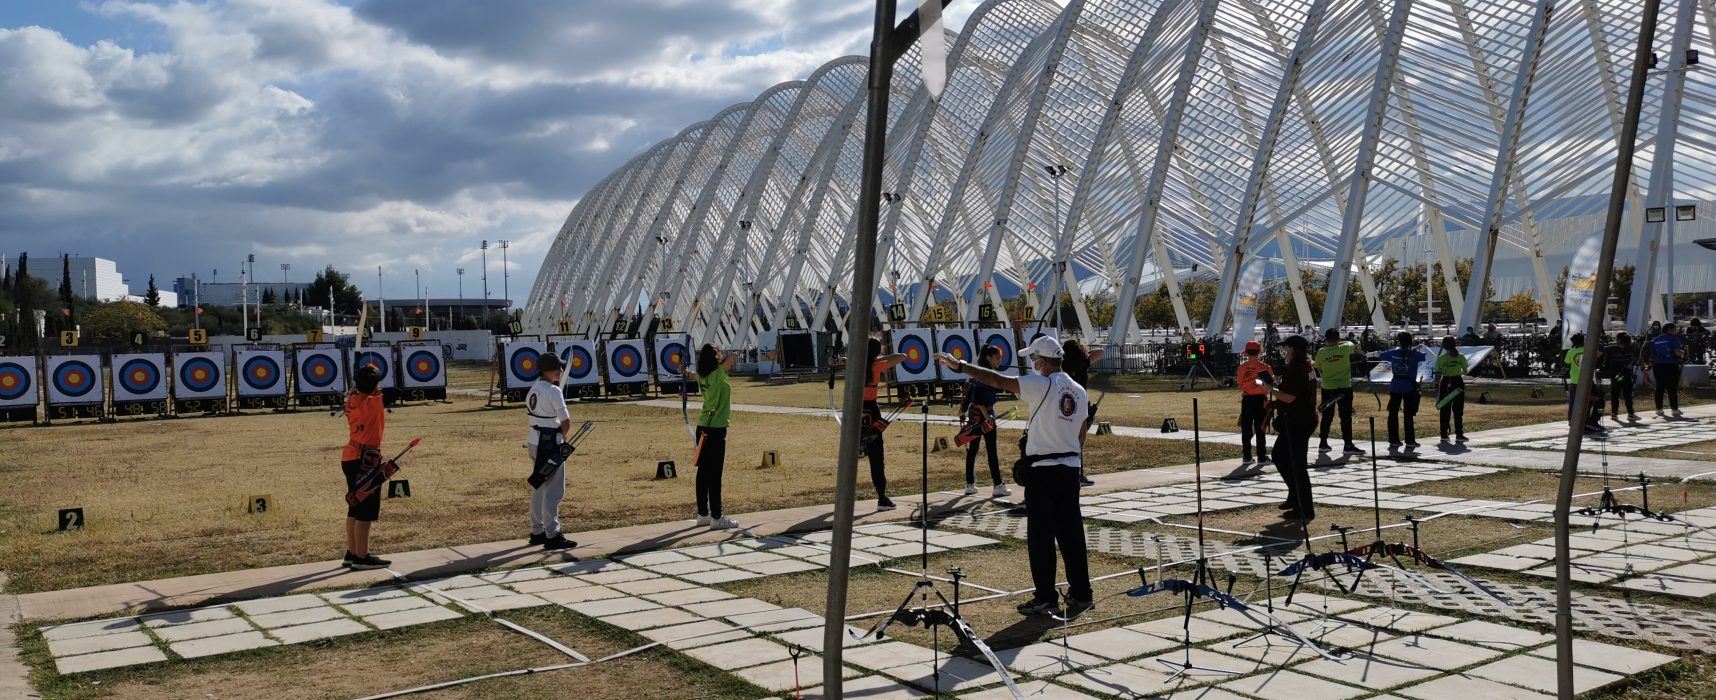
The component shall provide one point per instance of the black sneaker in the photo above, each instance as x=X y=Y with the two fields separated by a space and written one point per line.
x=1076 y=607
x=370 y=562
x=1085 y=481
x=1459 y=438
x=1039 y=607
x=537 y=538
x=884 y=504
x=1324 y=447
x=558 y=542
x=1352 y=450
x=1412 y=444
x=347 y=562
x=1306 y=515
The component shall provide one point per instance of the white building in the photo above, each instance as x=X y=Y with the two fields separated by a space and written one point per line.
x=91 y=278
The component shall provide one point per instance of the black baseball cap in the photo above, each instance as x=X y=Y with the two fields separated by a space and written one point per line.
x=1297 y=342
x=549 y=363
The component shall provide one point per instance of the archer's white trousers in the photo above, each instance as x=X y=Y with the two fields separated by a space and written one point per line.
x=545 y=504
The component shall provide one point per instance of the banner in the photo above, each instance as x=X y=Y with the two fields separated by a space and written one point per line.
x=379 y=356
x=1581 y=287
x=520 y=363
x=1382 y=373
x=579 y=359
x=139 y=383
x=261 y=373
x=1004 y=339
x=199 y=375
x=672 y=356
x=959 y=343
x=320 y=370
x=1245 y=302
x=919 y=365
x=626 y=363
x=74 y=379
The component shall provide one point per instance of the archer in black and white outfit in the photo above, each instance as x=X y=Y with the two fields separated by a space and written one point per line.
x=1049 y=471
x=550 y=424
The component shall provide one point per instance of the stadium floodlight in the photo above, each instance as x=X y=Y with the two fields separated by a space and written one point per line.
x=1686 y=212
x=1656 y=215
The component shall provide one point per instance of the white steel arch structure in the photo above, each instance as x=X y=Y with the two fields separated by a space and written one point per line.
x=1104 y=145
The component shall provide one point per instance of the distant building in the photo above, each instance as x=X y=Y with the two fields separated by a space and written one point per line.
x=91 y=278
x=192 y=290
x=168 y=299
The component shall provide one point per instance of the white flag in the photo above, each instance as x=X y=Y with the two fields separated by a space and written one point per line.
x=1245 y=302
x=1581 y=286
x=933 y=46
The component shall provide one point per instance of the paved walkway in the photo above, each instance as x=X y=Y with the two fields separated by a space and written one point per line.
x=14 y=676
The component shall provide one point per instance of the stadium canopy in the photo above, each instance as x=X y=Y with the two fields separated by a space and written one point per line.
x=1086 y=148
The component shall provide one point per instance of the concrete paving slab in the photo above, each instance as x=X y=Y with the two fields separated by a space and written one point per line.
x=1124 y=680
x=660 y=584
x=1669 y=584
x=581 y=594
x=1288 y=684
x=1210 y=665
x=1175 y=628
x=687 y=596
x=763 y=618
x=1397 y=620
x=317 y=631
x=211 y=646
x=1272 y=651
x=91 y=628
x=811 y=638
x=1434 y=652
x=612 y=606
x=653 y=558
x=733 y=606
x=682 y=568
x=586 y=566
x=884 y=655
x=720 y=576
x=1465 y=687
x=387 y=605
x=873 y=688
x=98 y=643
x=710 y=551
x=650 y=619
x=784 y=566
x=198 y=630
x=366 y=594
x=518 y=575
x=185 y=617
x=1046 y=659
x=414 y=616
x=1035 y=690
x=108 y=659
x=1538 y=674
x=269 y=606
x=513 y=601
x=1118 y=643
x=745 y=653
x=617 y=576
x=1373 y=672
x=696 y=634
x=1490 y=634
x=1610 y=657
x=953 y=674
x=544 y=585
x=1207 y=693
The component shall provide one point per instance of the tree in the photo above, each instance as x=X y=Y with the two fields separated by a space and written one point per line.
x=65 y=280
x=268 y=296
x=118 y=320
x=1520 y=307
x=153 y=296
x=346 y=298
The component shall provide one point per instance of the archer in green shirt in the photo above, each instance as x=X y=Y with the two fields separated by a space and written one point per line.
x=711 y=456
x=1450 y=370
x=1335 y=363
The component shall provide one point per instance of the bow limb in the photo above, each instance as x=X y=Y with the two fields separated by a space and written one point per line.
x=833 y=410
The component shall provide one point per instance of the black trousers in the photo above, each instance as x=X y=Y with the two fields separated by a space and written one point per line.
x=1397 y=404
x=988 y=440
x=1292 y=463
x=1667 y=379
x=1455 y=408
x=1251 y=425
x=1344 y=403
x=873 y=449
x=1621 y=387
x=711 y=460
x=1053 y=518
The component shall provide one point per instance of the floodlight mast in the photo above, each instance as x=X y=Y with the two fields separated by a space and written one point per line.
x=887 y=45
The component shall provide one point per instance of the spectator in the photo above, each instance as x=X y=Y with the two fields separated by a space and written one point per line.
x=1492 y=335
x=1619 y=360
x=1666 y=354
x=1471 y=337
x=1575 y=360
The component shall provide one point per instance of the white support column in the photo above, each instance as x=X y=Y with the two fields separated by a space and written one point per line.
x=1359 y=186
x=602 y=299
x=1258 y=177
x=1471 y=314
x=1661 y=189
x=1143 y=236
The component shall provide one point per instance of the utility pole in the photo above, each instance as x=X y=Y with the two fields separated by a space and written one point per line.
x=380 y=300
x=506 y=292
x=196 y=301
x=284 y=268
x=461 y=295
x=485 y=279
x=244 y=301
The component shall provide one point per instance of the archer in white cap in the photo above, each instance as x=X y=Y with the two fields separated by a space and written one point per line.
x=1049 y=471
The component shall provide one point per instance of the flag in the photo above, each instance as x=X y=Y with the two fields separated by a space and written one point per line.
x=933 y=47
x=1581 y=287
x=1245 y=302
x=199 y=311
x=65 y=312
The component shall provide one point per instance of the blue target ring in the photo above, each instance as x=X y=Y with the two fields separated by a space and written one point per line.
x=917 y=354
x=525 y=364
x=14 y=381
x=627 y=361
x=318 y=371
x=578 y=361
x=199 y=374
x=372 y=359
x=672 y=358
x=74 y=378
x=1005 y=344
x=261 y=373
x=959 y=347
x=423 y=366
x=139 y=376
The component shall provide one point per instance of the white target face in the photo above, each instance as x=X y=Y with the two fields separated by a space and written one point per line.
x=579 y=359
x=139 y=377
x=74 y=380
x=916 y=345
x=521 y=363
x=261 y=373
x=422 y=366
x=320 y=371
x=199 y=375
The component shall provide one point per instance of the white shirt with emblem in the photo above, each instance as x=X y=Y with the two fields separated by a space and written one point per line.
x=1059 y=407
x=546 y=407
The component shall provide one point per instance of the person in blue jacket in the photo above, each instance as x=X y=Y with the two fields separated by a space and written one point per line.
x=1402 y=389
x=1666 y=353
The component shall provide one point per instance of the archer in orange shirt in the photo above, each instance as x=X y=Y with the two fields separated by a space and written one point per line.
x=1255 y=378
x=366 y=418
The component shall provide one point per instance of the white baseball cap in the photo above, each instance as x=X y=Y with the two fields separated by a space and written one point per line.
x=1043 y=347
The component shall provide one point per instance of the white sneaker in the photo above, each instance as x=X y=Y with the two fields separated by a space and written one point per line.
x=702 y=521
x=723 y=523
x=971 y=489
x=1002 y=490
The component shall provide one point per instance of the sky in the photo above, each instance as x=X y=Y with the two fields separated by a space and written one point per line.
x=179 y=136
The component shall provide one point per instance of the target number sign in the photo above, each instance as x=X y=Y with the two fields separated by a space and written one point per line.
x=198 y=336
x=253 y=334
x=314 y=335
x=138 y=339
x=71 y=519
x=563 y=326
x=414 y=332
x=68 y=339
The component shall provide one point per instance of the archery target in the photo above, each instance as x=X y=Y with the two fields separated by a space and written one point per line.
x=671 y=358
x=17 y=381
x=319 y=371
x=381 y=358
x=579 y=357
x=139 y=377
x=522 y=363
x=198 y=375
x=919 y=365
x=261 y=373
x=625 y=361
x=422 y=367
x=1001 y=338
x=74 y=379
x=958 y=343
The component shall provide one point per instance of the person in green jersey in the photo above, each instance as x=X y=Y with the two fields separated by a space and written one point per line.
x=1574 y=358
x=1451 y=368
x=711 y=376
x=1335 y=363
